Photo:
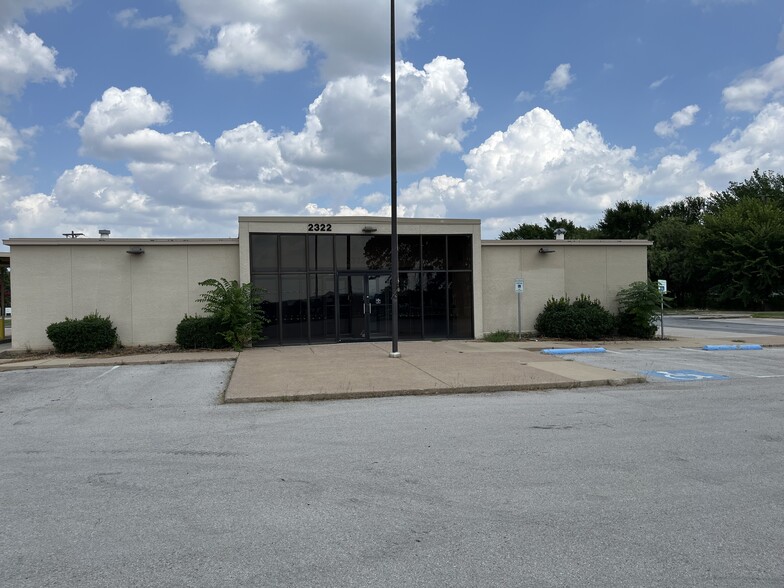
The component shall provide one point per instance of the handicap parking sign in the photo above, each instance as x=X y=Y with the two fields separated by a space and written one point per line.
x=685 y=375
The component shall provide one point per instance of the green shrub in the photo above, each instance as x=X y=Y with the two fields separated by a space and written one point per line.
x=582 y=319
x=201 y=332
x=638 y=307
x=87 y=335
x=238 y=307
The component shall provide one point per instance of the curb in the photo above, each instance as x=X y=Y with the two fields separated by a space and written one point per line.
x=574 y=350
x=319 y=396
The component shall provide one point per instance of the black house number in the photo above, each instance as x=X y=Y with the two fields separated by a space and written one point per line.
x=320 y=228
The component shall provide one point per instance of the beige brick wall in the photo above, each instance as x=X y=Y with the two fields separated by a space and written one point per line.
x=596 y=268
x=145 y=295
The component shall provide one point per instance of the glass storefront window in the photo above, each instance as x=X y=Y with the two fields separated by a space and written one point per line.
x=409 y=305
x=320 y=249
x=433 y=252
x=322 y=307
x=263 y=253
x=312 y=281
x=434 y=304
x=459 y=249
x=461 y=305
x=293 y=253
x=294 y=307
x=409 y=252
x=269 y=304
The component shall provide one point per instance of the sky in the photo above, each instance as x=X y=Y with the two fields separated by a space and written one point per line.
x=171 y=118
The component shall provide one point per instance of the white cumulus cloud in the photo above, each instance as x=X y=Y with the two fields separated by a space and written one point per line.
x=253 y=37
x=759 y=145
x=754 y=89
x=685 y=117
x=10 y=144
x=535 y=165
x=116 y=127
x=24 y=59
x=13 y=10
x=347 y=126
x=560 y=79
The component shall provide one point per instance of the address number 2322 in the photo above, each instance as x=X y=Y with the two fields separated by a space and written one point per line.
x=320 y=228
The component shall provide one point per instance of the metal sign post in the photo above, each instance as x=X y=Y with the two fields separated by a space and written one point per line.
x=519 y=287
x=662 y=290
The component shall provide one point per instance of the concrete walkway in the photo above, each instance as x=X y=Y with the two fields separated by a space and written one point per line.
x=364 y=370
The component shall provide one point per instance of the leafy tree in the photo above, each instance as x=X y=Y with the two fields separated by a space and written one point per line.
x=688 y=210
x=237 y=306
x=675 y=256
x=627 y=220
x=535 y=231
x=742 y=252
x=638 y=306
x=766 y=187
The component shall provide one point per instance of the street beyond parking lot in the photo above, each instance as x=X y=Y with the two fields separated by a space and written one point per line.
x=136 y=476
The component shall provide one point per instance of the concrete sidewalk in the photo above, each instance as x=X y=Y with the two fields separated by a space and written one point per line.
x=364 y=370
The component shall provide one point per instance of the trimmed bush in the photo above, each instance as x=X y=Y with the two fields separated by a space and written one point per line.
x=201 y=332
x=582 y=319
x=87 y=335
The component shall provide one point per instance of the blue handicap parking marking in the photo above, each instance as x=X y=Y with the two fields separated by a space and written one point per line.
x=685 y=375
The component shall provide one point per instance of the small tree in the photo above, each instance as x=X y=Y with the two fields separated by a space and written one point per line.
x=237 y=306
x=638 y=306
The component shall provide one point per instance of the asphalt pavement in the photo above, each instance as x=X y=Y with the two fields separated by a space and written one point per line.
x=137 y=475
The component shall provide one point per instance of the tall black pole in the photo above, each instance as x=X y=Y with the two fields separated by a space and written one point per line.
x=393 y=181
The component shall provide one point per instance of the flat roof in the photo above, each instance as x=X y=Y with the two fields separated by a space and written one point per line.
x=563 y=242
x=362 y=219
x=116 y=241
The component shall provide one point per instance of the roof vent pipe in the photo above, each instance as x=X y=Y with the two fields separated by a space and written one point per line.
x=104 y=233
x=560 y=234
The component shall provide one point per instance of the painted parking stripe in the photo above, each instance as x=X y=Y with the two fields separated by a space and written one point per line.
x=753 y=347
x=685 y=375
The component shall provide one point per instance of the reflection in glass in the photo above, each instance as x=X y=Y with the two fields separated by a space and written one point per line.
x=293 y=251
x=408 y=252
x=263 y=253
x=461 y=305
x=459 y=247
x=433 y=252
x=322 y=307
x=320 y=252
x=410 y=305
x=434 y=304
x=294 y=307
x=269 y=304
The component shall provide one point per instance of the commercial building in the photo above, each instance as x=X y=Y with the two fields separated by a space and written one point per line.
x=326 y=279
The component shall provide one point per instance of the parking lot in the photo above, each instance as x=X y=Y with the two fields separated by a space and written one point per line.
x=137 y=476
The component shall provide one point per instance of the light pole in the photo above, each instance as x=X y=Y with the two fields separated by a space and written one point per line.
x=393 y=181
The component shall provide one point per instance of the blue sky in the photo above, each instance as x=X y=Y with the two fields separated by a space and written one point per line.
x=171 y=118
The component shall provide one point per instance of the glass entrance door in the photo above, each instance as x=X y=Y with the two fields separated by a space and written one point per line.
x=365 y=308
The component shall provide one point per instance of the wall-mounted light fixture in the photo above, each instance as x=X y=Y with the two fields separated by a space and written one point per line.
x=104 y=233
x=369 y=229
x=136 y=250
x=543 y=250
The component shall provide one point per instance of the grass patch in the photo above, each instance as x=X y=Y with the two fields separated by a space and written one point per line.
x=772 y=314
x=500 y=337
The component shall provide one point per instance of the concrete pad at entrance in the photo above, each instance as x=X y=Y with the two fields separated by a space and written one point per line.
x=364 y=370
